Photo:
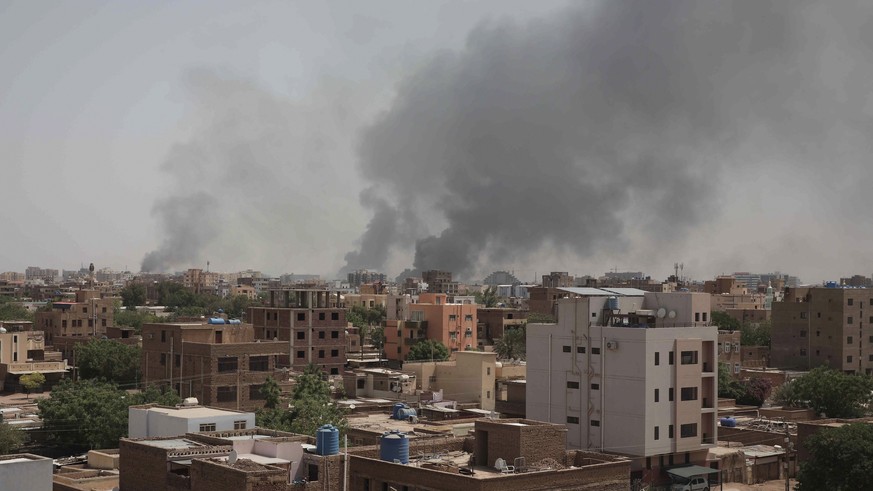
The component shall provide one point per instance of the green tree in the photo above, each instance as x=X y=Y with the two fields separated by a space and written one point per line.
x=512 y=345
x=487 y=297
x=725 y=322
x=135 y=319
x=110 y=360
x=93 y=413
x=540 y=318
x=10 y=438
x=13 y=311
x=428 y=349
x=830 y=392
x=840 y=459
x=271 y=392
x=311 y=407
x=133 y=295
x=31 y=381
x=755 y=334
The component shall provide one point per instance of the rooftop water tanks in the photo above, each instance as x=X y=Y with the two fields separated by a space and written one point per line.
x=394 y=446
x=327 y=440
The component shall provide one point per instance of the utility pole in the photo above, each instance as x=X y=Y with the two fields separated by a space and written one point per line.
x=787 y=458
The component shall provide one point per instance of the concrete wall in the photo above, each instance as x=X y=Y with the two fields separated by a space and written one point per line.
x=26 y=472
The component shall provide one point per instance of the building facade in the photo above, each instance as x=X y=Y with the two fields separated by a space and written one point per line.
x=432 y=317
x=89 y=315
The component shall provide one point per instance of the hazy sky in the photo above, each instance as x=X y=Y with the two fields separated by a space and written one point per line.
x=530 y=136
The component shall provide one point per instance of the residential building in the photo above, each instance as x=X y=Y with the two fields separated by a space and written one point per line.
x=22 y=351
x=200 y=281
x=89 y=315
x=152 y=420
x=13 y=277
x=46 y=276
x=379 y=383
x=630 y=372
x=366 y=300
x=440 y=282
x=26 y=472
x=492 y=322
x=363 y=276
x=432 y=317
x=9 y=289
x=819 y=326
x=558 y=279
x=469 y=377
x=730 y=350
x=222 y=365
x=317 y=319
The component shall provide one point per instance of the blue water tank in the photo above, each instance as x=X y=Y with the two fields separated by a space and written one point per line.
x=728 y=422
x=405 y=413
x=397 y=407
x=612 y=303
x=394 y=445
x=327 y=440
x=216 y=320
x=831 y=284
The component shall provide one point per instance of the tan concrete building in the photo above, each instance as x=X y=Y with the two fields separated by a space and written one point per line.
x=222 y=365
x=22 y=351
x=730 y=350
x=469 y=377
x=823 y=326
x=89 y=315
x=629 y=372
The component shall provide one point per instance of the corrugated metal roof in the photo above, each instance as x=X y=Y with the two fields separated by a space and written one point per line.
x=628 y=292
x=587 y=291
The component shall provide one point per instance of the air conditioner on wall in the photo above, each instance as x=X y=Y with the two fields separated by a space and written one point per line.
x=613 y=345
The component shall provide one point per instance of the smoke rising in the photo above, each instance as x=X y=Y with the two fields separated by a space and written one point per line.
x=621 y=126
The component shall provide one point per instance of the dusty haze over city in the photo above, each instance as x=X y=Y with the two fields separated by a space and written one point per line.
x=464 y=136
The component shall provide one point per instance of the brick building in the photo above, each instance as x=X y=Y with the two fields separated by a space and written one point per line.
x=89 y=315
x=432 y=317
x=22 y=351
x=317 y=319
x=491 y=322
x=222 y=365
x=440 y=282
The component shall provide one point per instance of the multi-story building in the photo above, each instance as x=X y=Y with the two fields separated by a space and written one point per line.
x=89 y=315
x=730 y=350
x=470 y=377
x=823 y=326
x=440 y=282
x=630 y=372
x=311 y=323
x=35 y=273
x=492 y=322
x=363 y=276
x=200 y=281
x=221 y=364
x=558 y=279
x=432 y=317
x=22 y=351
x=153 y=420
x=12 y=276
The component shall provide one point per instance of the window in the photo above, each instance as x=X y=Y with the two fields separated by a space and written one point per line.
x=688 y=430
x=84 y=310
x=334 y=353
x=704 y=316
x=657 y=395
x=802 y=351
x=163 y=336
x=670 y=394
x=321 y=353
x=301 y=316
x=850 y=320
x=468 y=317
x=334 y=316
x=178 y=360
x=239 y=424
x=566 y=349
x=851 y=301
x=207 y=427
x=320 y=334
x=64 y=323
x=595 y=351
x=580 y=349
x=572 y=385
x=301 y=354
x=595 y=386
x=301 y=335
x=226 y=394
x=321 y=316
x=228 y=363
x=657 y=433
x=453 y=317
x=573 y=420
x=803 y=333
x=104 y=310
x=334 y=334
x=697 y=317
x=803 y=315
x=487 y=394
x=487 y=370
x=595 y=422
x=163 y=358
x=849 y=359
x=255 y=393
x=688 y=394
x=849 y=339
x=671 y=356
x=103 y=322
x=689 y=358
x=657 y=358
x=259 y=363
x=670 y=431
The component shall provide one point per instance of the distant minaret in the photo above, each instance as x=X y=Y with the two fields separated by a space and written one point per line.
x=91 y=274
x=768 y=299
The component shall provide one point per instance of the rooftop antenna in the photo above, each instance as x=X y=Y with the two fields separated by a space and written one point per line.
x=207 y=266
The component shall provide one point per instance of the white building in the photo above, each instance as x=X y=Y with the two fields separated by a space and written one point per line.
x=26 y=472
x=628 y=371
x=150 y=420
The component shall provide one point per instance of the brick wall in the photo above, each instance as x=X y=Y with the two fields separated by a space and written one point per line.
x=141 y=467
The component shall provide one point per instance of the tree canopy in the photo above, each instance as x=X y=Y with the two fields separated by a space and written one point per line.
x=311 y=407
x=828 y=391
x=10 y=438
x=840 y=459
x=751 y=392
x=487 y=297
x=31 y=381
x=13 y=311
x=93 y=413
x=133 y=295
x=135 y=319
x=110 y=360
x=428 y=349
x=513 y=344
x=540 y=318
x=755 y=334
x=725 y=322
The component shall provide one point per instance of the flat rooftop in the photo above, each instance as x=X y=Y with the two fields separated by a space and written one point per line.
x=191 y=411
x=172 y=443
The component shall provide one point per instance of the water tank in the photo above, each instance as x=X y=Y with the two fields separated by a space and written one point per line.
x=394 y=446
x=216 y=320
x=397 y=407
x=831 y=284
x=234 y=321
x=327 y=440
x=405 y=413
x=728 y=422
x=612 y=303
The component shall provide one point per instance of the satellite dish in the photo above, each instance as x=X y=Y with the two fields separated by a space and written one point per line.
x=662 y=312
x=231 y=459
x=352 y=407
x=672 y=314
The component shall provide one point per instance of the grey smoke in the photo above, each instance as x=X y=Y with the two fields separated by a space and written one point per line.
x=619 y=126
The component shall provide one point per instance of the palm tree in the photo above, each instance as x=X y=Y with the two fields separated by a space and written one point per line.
x=512 y=344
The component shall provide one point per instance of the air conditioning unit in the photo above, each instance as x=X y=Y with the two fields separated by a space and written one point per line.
x=613 y=345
